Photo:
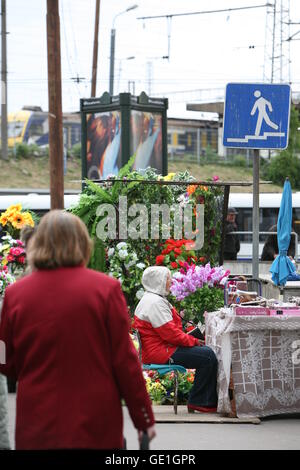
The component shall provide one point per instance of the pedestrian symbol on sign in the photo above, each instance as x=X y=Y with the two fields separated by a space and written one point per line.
x=261 y=104
x=256 y=115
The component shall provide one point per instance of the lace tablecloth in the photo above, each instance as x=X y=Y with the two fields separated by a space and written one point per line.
x=264 y=353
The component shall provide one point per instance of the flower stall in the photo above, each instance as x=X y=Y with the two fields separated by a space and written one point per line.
x=125 y=257
x=198 y=277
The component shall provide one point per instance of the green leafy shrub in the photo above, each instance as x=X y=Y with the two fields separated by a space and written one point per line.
x=22 y=151
x=239 y=160
x=76 y=150
x=284 y=165
x=210 y=156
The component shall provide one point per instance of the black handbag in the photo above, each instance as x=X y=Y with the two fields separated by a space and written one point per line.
x=196 y=333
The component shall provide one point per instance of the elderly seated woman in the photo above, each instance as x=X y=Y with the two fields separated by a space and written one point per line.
x=163 y=340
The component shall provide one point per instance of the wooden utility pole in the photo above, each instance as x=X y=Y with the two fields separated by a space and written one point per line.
x=55 y=107
x=3 y=83
x=95 y=49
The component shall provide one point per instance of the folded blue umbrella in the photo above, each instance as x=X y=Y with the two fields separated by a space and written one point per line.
x=282 y=267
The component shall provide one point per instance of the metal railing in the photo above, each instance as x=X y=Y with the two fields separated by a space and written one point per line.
x=270 y=233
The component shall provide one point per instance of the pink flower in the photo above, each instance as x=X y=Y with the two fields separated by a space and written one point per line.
x=16 y=251
x=215 y=178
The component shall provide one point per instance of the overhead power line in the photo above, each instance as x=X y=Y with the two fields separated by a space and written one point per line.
x=225 y=10
x=170 y=16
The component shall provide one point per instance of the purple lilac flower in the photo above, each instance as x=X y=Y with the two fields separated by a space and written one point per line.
x=191 y=277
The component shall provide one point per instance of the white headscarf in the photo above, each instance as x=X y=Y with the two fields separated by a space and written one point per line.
x=155 y=279
x=153 y=306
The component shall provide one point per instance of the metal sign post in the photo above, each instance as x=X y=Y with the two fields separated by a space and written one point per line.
x=256 y=116
x=255 y=216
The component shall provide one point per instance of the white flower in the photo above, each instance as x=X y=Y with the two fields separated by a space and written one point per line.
x=1 y=284
x=121 y=245
x=128 y=265
x=140 y=294
x=141 y=265
x=134 y=257
x=110 y=252
x=123 y=254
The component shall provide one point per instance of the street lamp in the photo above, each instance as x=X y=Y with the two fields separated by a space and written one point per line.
x=112 y=49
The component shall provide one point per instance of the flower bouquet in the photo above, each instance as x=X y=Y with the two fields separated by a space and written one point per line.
x=156 y=390
x=12 y=254
x=161 y=389
x=175 y=253
x=197 y=289
x=6 y=279
x=123 y=264
x=14 y=219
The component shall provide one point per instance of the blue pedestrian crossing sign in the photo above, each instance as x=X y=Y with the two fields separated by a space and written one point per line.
x=256 y=115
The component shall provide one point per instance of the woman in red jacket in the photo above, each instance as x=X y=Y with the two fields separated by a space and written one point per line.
x=66 y=331
x=163 y=340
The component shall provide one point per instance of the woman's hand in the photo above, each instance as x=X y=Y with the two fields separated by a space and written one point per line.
x=151 y=433
x=182 y=313
x=201 y=342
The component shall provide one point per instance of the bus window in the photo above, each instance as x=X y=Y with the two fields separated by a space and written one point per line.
x=244 y=222
x=269 y=218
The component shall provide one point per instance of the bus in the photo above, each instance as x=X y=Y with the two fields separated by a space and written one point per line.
x=269 y=204
x=38 y=203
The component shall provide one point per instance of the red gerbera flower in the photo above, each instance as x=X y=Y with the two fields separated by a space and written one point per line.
x=160 y=259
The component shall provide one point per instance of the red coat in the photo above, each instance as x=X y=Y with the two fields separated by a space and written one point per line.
x=67 y=343
x=160 y=342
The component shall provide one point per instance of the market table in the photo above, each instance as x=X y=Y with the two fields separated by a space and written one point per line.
x=271 y=291
x=263 y=354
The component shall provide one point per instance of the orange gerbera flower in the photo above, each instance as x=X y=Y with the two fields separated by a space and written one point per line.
x=191 y=189
x=3 y=220
x=18 y=220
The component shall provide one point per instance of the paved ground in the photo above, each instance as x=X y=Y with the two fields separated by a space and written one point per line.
x=272 y=433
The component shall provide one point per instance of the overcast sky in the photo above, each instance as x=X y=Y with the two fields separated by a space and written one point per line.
x=206 y=51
